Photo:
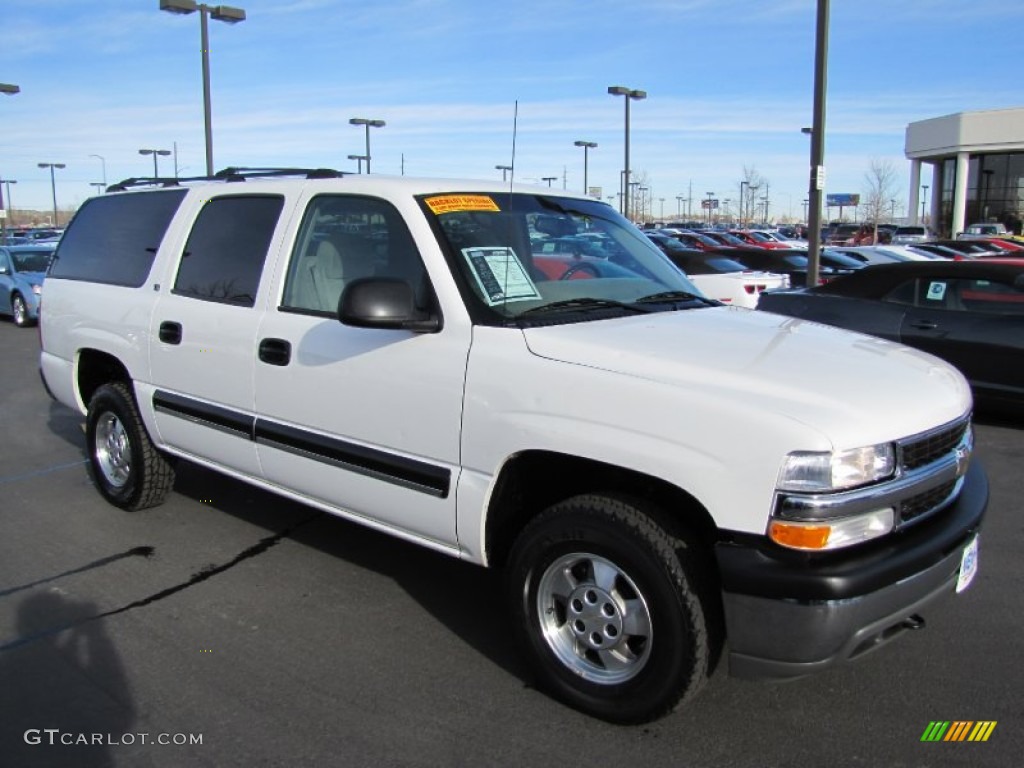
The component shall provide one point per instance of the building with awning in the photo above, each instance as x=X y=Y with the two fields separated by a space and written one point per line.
x=977 y=170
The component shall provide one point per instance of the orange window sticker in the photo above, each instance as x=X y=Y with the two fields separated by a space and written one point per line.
x=457 y=203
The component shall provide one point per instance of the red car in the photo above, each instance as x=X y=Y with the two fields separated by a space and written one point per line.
x=757 y=239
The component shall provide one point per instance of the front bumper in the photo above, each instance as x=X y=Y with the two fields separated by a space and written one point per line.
x=789 y=614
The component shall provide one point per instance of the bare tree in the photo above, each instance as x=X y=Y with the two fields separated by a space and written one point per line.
x=752 y=182
x=880 y=186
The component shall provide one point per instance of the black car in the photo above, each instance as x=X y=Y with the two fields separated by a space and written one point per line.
x=969 y=313
x=793 y=262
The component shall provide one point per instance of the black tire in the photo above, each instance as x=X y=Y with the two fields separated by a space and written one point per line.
x=608 y=609
x=19 y=311
x=125 y=465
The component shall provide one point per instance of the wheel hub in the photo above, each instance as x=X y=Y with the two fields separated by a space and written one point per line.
x=594 y=617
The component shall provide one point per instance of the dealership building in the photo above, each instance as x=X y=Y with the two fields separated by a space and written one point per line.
x=977 y=169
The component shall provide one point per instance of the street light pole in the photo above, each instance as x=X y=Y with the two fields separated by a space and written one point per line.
x=817 y=175
x=369 y=124
x=223 y=13
x=505 y=169
x=629 y=94
x=548 y=179
x=3 y=221
x=359 y=159
x=53 y=187
x=154 y=153
x=710 y=197
x=103 y=166
x=587 y=146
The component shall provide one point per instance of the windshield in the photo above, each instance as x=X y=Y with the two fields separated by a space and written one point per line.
x=31 y=261
x=509 y=251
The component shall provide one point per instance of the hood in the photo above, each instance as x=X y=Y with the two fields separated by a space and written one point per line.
x=846 y=384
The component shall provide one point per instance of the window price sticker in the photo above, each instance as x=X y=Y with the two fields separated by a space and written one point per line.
x=500 y=275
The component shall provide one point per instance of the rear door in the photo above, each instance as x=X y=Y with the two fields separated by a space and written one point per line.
x=204 y=328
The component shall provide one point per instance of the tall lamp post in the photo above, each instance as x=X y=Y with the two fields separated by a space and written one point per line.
x=103 y=166
x=223 y=13
x=548 y=179
x=359 y=159
x=9 y=90
x=154 y=153
x=53 y=186
x=505 y=170
x=587 y=146
x=630 y=95
x=369 y=124
x=711 y=196
x=3 y=221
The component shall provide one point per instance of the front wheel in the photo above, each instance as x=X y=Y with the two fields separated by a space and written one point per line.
x=128 y=469
x=19 y=311
x=606 y=606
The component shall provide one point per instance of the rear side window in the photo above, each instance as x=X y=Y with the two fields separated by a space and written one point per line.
x=113 y=239
x=224 y=256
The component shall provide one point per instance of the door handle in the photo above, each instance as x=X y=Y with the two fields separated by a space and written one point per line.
x=275 y=351
x=170 y=332
x=924 y=325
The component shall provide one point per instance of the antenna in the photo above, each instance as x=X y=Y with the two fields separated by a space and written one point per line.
x=515 y=128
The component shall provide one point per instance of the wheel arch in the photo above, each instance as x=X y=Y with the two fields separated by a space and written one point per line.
x=532 y=481
x=94 y=369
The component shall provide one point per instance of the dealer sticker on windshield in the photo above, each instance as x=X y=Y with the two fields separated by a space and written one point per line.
x=500 y=275
x=458 y=203
x=968 y=565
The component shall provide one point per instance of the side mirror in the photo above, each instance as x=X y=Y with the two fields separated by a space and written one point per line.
x=384 y=302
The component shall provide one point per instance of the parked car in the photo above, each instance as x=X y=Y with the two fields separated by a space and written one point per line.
x=22 y=269
x=794 y=263
x=758 y=239
x=910 y=233
x=970 y=313
x=988 y=229
x=663 y=482
x=722 y=278
x=841 y=234
x=960 y=249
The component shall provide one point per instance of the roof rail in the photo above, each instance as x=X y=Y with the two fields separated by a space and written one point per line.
x=227 y=174
x=241 y=174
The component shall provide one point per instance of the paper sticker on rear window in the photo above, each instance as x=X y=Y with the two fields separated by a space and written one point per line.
x=456 y=203
x=936 y=292
x=500 y=275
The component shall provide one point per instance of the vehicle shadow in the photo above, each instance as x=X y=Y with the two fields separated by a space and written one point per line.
x=67 y=424
x=462 y=596
x=62 y=682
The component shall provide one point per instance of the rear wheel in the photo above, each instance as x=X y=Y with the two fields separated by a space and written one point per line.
x=608 y=610
x=127 y=468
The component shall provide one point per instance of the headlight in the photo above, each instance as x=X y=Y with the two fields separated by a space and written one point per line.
x=807 y=471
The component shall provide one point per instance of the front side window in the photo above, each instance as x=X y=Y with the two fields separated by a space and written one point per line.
x=344 y=238
x=526 y=258
x=227 y=248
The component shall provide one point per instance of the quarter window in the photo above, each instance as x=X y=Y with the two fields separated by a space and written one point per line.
x=225 y=253
x=113 y=239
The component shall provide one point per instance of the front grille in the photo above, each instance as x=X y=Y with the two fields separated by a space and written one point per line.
x=922 y=450
x=926 y=502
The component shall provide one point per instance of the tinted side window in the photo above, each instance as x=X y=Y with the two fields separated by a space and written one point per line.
x=343 y=238
x=225 y=253
x=114 y=239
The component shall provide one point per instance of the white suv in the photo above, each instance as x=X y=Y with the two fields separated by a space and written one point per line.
x=664 y=481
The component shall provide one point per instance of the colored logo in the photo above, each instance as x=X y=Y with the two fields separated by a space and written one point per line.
x=958 y=730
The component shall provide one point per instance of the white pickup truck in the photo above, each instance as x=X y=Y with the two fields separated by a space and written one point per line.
x=664 y=481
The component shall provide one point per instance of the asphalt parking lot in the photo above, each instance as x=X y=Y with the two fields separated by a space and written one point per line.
x=232 y=628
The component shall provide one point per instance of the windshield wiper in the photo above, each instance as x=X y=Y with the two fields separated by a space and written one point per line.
x=670 y=296
x=581 y=305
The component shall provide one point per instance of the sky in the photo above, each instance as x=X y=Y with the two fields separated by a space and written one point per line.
x=465 y=85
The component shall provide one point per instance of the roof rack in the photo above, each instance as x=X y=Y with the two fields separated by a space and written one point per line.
x=229 y=174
